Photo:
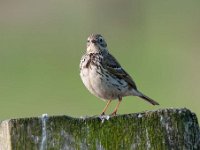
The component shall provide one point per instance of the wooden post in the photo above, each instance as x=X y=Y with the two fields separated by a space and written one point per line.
x=160 y=129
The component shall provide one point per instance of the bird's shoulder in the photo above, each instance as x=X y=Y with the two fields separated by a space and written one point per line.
x=111 y=64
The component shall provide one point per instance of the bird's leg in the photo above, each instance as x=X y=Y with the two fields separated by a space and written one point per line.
x=116 y=108
x=104 y=110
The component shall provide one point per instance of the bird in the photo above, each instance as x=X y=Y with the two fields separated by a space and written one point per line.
x=104 y=77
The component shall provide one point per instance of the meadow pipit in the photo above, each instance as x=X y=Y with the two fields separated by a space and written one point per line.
x=104 y=77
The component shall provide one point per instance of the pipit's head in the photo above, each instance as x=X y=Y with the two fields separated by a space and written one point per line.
x=96 y=44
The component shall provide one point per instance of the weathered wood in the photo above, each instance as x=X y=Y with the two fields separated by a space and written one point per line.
x=161 y=129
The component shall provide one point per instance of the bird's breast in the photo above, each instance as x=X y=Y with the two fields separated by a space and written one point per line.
x=100 y=82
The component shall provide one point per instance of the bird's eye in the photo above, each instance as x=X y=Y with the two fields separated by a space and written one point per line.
x=100 y=40
x=88 y=41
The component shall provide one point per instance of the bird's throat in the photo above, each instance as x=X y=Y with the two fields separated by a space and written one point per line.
x=93 y=49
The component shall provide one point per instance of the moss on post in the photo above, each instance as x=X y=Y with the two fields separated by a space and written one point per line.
x=161 y=129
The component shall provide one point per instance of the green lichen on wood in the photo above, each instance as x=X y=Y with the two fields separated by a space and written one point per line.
x=161 y=129
x=25 y=133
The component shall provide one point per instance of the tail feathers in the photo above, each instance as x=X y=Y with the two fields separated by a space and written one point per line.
x=153 y=102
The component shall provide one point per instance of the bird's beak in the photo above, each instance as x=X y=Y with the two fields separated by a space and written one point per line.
x=94 y=41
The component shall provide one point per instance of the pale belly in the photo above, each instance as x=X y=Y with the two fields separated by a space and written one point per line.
x=103 y=86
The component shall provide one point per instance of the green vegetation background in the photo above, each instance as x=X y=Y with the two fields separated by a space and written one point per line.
x=41 y=43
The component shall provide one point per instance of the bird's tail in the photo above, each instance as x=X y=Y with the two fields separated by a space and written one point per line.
x=153 y=102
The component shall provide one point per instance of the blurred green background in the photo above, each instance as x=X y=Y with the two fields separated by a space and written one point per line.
x=41 y=43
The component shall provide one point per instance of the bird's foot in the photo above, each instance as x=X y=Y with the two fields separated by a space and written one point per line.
x=102 y=114
x=114 y=113
x=104 y=117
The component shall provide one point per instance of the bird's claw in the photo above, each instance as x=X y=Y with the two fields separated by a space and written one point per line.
x=102 y=114
x=114 y=113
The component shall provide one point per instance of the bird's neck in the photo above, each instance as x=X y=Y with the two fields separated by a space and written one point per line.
x=97 y=50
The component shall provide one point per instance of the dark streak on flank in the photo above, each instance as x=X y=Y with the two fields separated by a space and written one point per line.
x=115 y=85
x=119 y=82
x=119 y=89
x=99 y=73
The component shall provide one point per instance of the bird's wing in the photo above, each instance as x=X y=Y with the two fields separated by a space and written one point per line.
x=114 y=68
